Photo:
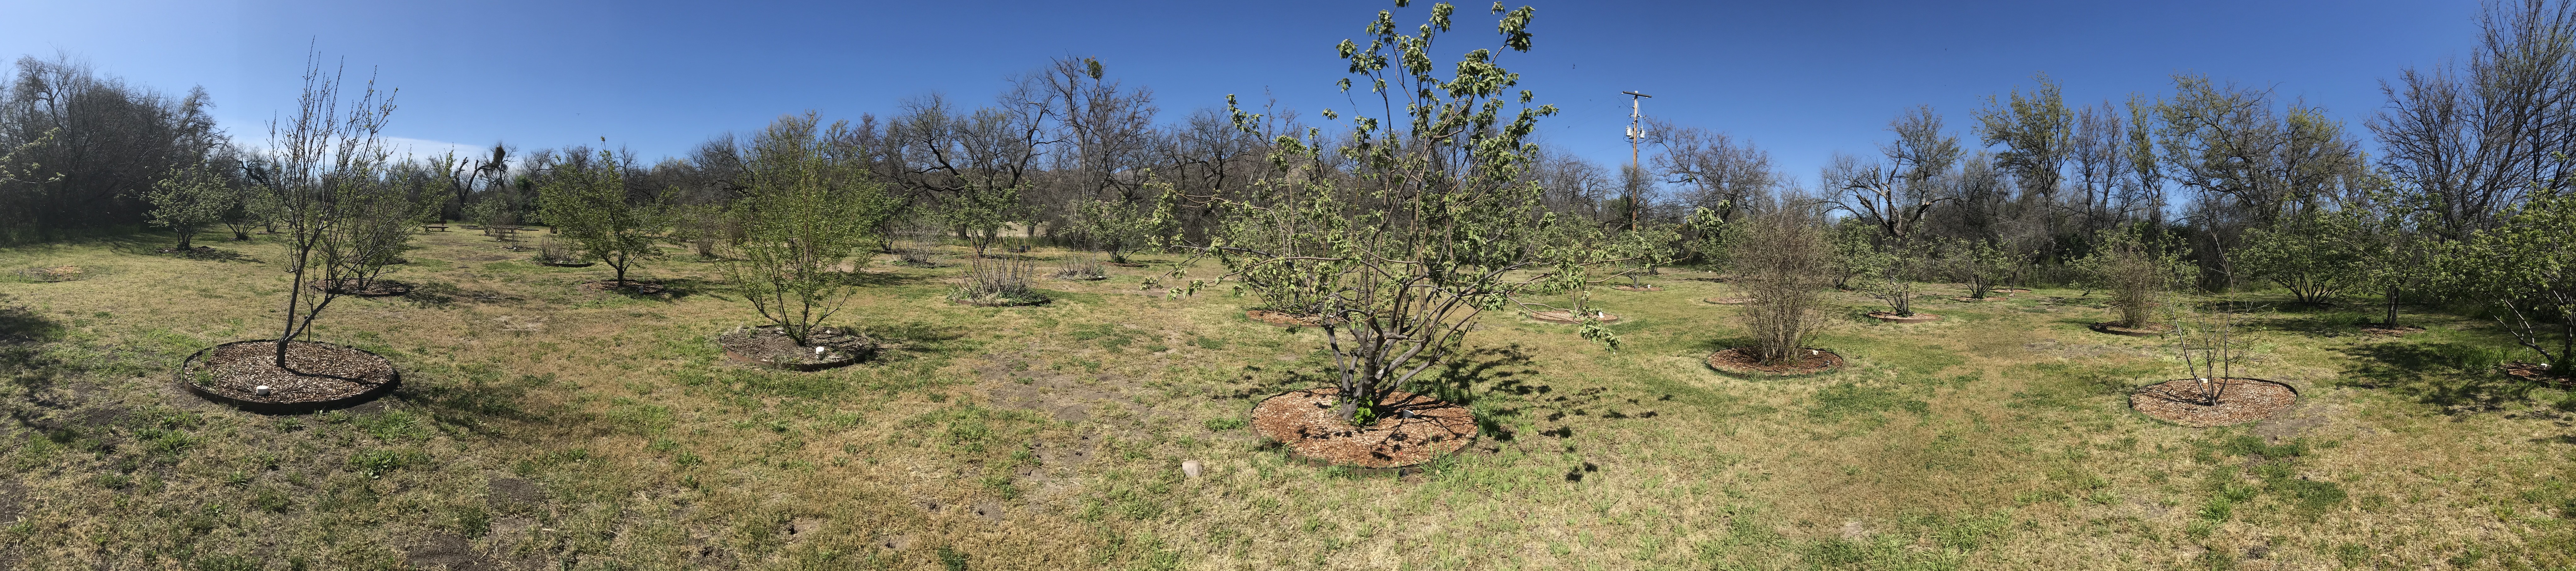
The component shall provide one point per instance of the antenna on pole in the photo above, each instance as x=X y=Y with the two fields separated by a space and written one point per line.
x=1636 y=134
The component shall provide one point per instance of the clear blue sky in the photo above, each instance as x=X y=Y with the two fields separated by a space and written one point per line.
x=1802 y=79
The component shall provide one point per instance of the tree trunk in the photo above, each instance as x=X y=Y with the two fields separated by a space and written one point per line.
x=294 y=295
x=2392 y=308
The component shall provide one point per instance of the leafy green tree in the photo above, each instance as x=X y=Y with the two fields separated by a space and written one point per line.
x=588 y=203
x=1437 y=218
x=981 y=212
x=1856 y=256
x=2528 y=266
x=807 y=206
x=1118 y=227
x=188 y=201
x=2315 y=254
x=325 y=169
x=1898 y=266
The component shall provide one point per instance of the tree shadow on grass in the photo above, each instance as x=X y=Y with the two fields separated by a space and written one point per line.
x=23 y=334
x=1498 y=369
x=2457 y=377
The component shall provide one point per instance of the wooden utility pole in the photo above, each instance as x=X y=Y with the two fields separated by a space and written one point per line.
x=1636 y=134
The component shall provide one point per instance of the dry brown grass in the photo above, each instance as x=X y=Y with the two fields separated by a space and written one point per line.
x=1992 y=439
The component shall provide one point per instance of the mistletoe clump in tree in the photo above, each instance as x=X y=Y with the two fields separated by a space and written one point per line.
x=588 y=202
x=1437 y=214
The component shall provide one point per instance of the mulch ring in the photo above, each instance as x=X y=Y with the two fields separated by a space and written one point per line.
x=2009 y=290
x=1284 y=319
x=1636 y=288
x=1728 y=300
x=628 y=286
x=2240 y=400
x=1741 y=361
x=1303 y=420
x=351 y=286
x=324 y=375
x=1565 y=316
x=769 y=346
x=2537 y=373
x=1975 y=300
x=1890 y=316
x=53 y=274
x=2398 y=331
x=2149 y=330
x=564 y=263
x=1123 y=264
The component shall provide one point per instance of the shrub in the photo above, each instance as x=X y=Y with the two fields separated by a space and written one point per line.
x=1784 y=262
x=1083 y=268
x=999 y=282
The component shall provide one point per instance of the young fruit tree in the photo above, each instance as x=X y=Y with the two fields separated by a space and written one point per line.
x=2528 y=266
x=1785 y=264
x=1980 y=263
x=807 y=206
x=588 y=203
x=1891 y=271
x=1437 y=214
x=190 y=200
x=1118 y=227
x=323 y=170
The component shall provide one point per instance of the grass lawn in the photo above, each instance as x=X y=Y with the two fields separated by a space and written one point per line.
x=542 y=425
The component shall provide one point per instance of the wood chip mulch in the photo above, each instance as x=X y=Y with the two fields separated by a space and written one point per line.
x=2240 y=401
x=350 y=286
x=1303 y=420
x=1635 y=288
x=1284 y=319
x=1917 y=317
x=1976 y=300
x=1564 y=316
x=770 y=346
x=2009 y=290
x=1729 y=300
x=2537 y=373
x=1740 y=360
x=628 y=286
x=2149 y=330
x=321 y=372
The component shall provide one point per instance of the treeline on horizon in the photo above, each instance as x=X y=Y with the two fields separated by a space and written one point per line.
x=2031 y=181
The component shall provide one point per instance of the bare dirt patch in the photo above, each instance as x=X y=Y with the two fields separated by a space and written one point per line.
x=770 y=346
x=319 y=375
x=2537 y=373
x=2240 y=400
x=1740 y=360
x=1416 y=429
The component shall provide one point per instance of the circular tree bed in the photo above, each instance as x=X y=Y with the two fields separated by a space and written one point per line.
x=1890 y=316
x=1565 y=316
x=562 y=263
x=350 y=286
x=2009 y=290
x=1123 y=264
x=1000 y=300
x=1741 y=361
x=2398 y=331
x=1636 y=288
x=1976 y=299
x=245 y=375
x=1414 y=429
x=628 y=286
x=1729 y=300
x=769 y=346
x=2241 y=400
x=1284 y=319
x=2148 y=330
x=2537 y=373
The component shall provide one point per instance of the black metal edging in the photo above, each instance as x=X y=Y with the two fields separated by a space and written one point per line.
x=181 y=376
